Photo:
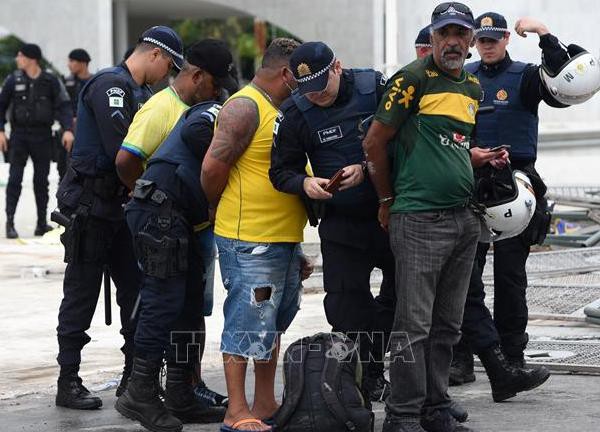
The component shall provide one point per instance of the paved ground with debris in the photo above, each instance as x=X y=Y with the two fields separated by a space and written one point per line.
x=31 y=290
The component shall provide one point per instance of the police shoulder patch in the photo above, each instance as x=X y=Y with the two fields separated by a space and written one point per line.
x=115 y=97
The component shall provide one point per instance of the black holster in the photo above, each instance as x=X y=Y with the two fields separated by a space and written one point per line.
x=162 y=246
x=162 y=257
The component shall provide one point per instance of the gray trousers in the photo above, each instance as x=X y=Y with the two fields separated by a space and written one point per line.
x=434 y=254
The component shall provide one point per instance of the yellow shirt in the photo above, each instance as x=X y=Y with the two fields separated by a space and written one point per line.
x=251 y=209
x=152 y=123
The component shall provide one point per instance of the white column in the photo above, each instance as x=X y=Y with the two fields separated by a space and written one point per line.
x=391 y=36
x=103 y=56
x=121 y=29
x=378 y=34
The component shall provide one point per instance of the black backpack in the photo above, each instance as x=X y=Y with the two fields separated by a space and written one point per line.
x=322 y=375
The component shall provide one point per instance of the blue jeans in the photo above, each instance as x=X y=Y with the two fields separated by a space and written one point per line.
x=251 y=325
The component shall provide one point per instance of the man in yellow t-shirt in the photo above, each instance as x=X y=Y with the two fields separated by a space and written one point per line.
x=152 y=124
x=258 y=231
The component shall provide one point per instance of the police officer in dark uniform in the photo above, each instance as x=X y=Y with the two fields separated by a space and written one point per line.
x=167 y=203
x=37 y=98
x=515 y=90
x=91 y=197
x=79 y=60
x=323 y=120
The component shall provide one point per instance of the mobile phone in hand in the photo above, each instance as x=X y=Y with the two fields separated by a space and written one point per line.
x=500 y=148
x=334 y=182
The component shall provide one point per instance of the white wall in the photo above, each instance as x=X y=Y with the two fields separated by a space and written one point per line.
x=58 y=26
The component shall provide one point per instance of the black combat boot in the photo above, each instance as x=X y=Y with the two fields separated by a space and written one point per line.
x=125 y=377
x=181 y=400
x=461 y=369
x=140 y=400
x=42 y=228
x=11 y=232
x=507 y=381
x=71 y=393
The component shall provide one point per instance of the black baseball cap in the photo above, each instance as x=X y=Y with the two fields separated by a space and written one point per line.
x=167 y=39
x=79 y=54
x=490 y=25
x=310 y=64
x=214 y=56
x=452 y=13
x=31 y=51
x=423 y=38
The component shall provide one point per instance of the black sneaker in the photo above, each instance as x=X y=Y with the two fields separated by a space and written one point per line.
x=208 y=397
x=376 y=388
x=71 y=393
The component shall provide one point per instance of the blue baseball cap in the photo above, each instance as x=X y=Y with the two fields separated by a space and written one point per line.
x=167 y=39
x=423 y=38
x=452 y=13
x=490 y=25
x=310 y=64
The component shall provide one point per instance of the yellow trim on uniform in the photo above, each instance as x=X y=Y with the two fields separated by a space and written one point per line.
x=454 y=105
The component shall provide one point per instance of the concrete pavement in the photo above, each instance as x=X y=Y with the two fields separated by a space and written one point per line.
x=31 y=290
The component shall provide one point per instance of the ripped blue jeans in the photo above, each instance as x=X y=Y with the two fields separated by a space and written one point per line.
x=263 y=294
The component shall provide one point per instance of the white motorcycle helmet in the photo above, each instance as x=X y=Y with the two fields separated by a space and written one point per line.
x=509 y=203
x=576 y=81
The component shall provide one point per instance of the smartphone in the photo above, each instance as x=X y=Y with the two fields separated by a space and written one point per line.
x=500 y=147
x=334 y=182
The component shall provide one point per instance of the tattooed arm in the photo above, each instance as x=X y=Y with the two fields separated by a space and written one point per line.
x=236 y=125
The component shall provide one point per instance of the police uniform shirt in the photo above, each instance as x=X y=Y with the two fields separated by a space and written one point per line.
x=109 y=98
x=532 y=89
x=60 y=99
x=293 y=141
x=196 y=134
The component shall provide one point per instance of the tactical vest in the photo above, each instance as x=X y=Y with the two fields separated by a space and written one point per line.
x=176 y=152
x=88 y=156
x=337 y=137
x=33 y=101
x=74 y=86
x=511 y=122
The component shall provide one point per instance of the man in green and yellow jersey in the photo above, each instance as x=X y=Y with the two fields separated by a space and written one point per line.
x=427 y=115
x=258 y=231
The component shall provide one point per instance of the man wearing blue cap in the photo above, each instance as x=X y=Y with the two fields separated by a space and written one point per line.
x=322 y=122
x=423 y=43
x=428 y=114
x=515 y=90
x=90 y=197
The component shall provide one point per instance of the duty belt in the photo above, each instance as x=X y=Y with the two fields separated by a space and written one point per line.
x=147 y=191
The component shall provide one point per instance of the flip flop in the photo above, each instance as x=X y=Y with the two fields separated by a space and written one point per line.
x=236 y=426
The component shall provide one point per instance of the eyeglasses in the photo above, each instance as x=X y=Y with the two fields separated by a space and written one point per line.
x=452 y=7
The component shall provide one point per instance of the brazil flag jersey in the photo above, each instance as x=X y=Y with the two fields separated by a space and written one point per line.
x=434 y=114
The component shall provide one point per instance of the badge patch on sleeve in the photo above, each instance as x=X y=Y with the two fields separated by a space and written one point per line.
x=115 y=97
